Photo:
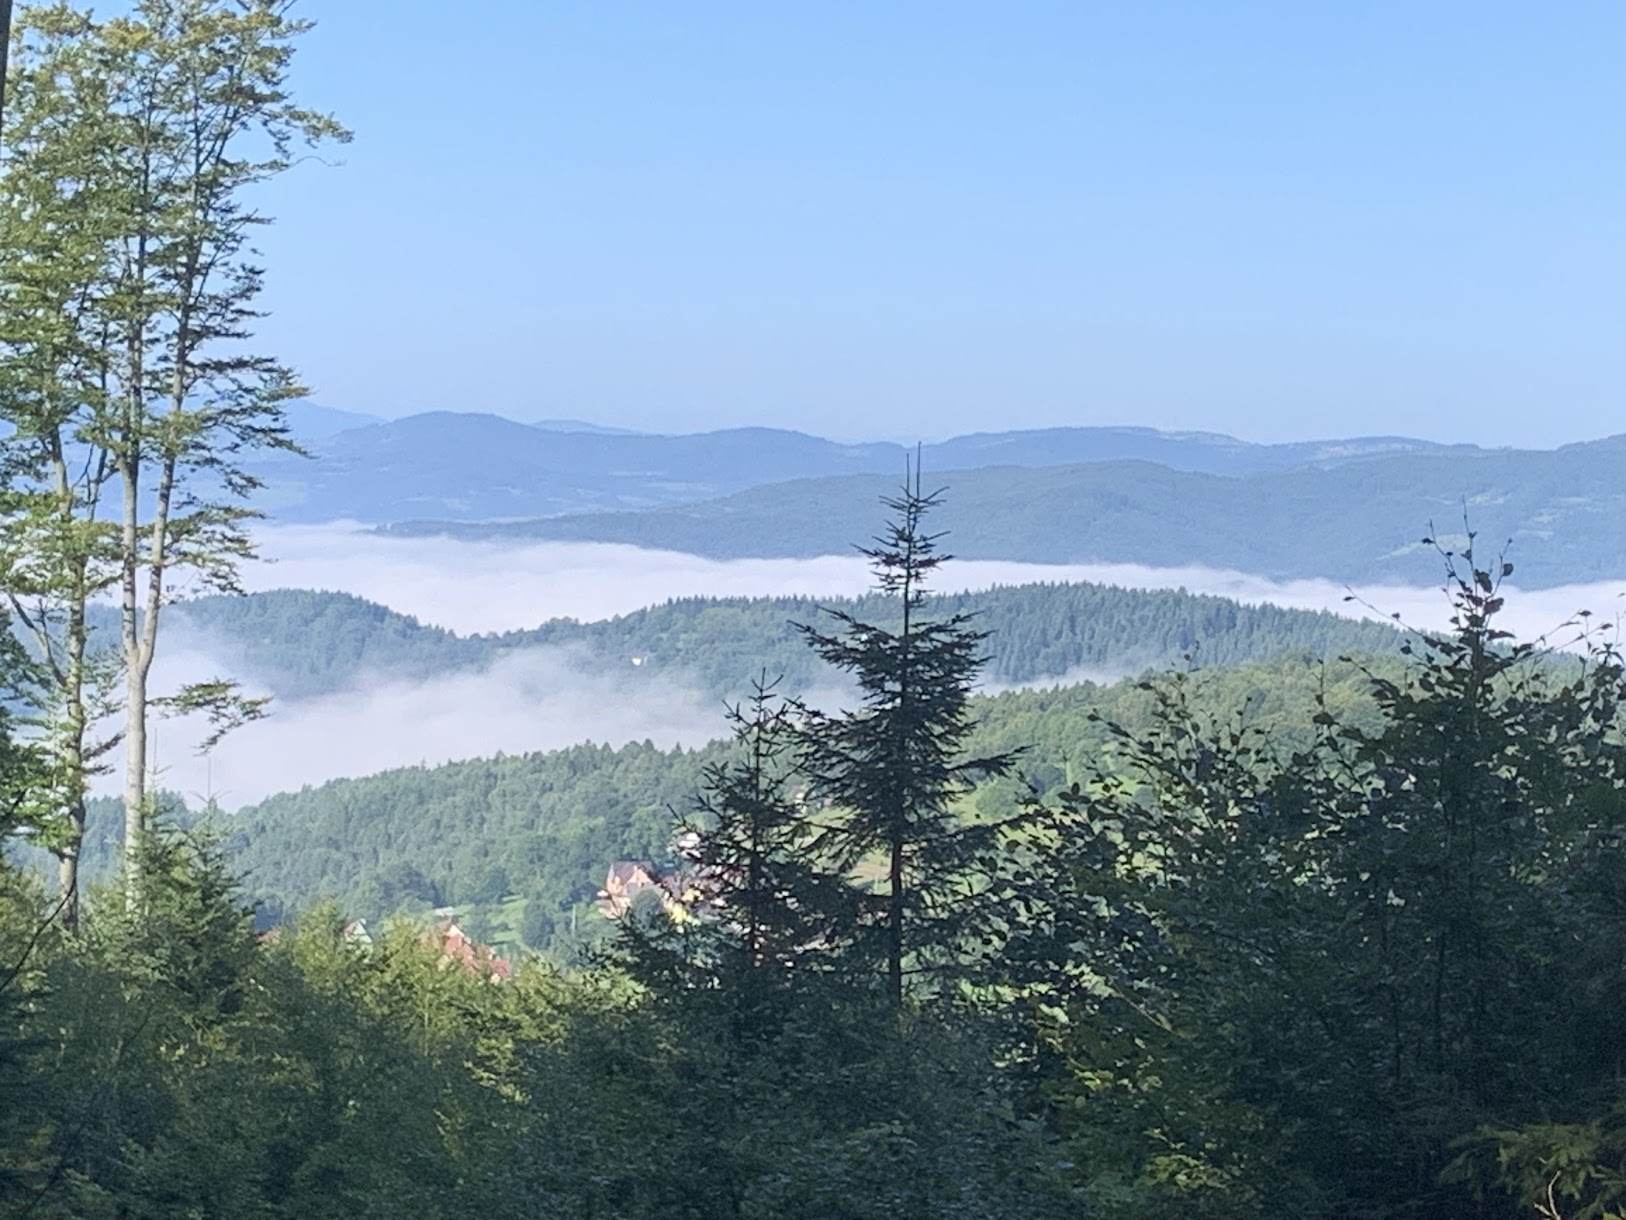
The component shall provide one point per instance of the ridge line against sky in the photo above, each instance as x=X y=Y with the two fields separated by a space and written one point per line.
x=1274 y=220
x=329 y=427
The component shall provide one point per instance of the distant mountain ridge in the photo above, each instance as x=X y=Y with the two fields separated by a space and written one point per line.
x=1362 y=521
x=310 y=421
x=581 y=425
x=467 y=467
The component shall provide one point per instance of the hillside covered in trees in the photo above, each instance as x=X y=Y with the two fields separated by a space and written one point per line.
x=298 y=643
x=1335 y=938
x=1330 y=925
x=543 y=828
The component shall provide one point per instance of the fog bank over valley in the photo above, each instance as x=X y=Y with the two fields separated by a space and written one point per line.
x=489 y=586
x=540 y=699
x=549 y=697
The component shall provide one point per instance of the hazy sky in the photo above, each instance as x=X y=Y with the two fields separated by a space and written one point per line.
x=1280 y=220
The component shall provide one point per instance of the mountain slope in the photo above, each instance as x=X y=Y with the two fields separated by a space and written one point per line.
x=311 y=422
x=1359 y=521
x=300 y=644
x=469 y=467
x=547 y=825
x=476 y=467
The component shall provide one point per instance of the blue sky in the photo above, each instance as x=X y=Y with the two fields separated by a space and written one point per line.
x=899 y=219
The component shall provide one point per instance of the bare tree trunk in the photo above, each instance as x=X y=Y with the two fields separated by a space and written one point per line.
x=67 y=874
x=135 y=677
x=73 y=761
x=77 y=718
x=5 y=52
x=894 y=953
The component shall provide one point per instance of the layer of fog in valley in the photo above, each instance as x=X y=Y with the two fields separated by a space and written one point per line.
x=541 y=699
x=471 y=587
x=553 y=697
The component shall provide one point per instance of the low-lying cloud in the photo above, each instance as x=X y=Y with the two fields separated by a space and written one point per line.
x=540 y=699
x=551 y=698
x=473 y=587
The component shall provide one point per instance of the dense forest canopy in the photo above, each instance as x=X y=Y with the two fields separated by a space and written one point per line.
x=298 y=643
x=524 y=840
x=545 y=827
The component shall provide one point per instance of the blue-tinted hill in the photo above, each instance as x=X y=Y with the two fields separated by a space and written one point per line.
x=1357 y=520
x=468 y=467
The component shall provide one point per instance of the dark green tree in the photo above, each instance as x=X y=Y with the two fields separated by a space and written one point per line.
x=1311 y=979
x=892 y=770
x=756 y=914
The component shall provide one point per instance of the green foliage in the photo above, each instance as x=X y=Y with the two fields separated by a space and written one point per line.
x=551 y=823
x=1317 y=939
x=547 y=824
x=24 y=938
x=301 y=643
x=22 y=768
x=174 y=1063
x=128 y=288
x=892 y=770
x=1318 y=970
x=1564 y=1171
x=755 y=911
x=661 y=1109
x=1311 y=937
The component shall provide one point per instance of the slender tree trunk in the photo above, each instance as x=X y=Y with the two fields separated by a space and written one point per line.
x=67 y=883
x=132 y=458
x=5 y=52
x=900 y=825
x=141 y=644
x=894 y=952
x=73 y=758
x=135 y=678
x=69 y=674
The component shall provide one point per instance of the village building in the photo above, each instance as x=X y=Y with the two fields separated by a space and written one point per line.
x=457 y=946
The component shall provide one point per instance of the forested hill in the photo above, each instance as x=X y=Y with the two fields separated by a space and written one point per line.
x=1360 y=521
x=540 y=829
x=299 y=643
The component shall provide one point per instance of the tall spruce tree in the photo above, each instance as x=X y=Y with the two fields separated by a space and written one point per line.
x=769 y=913
x=892 y=769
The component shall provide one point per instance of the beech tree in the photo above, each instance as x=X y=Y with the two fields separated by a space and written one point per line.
x=129 y=381
x=57 y=550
